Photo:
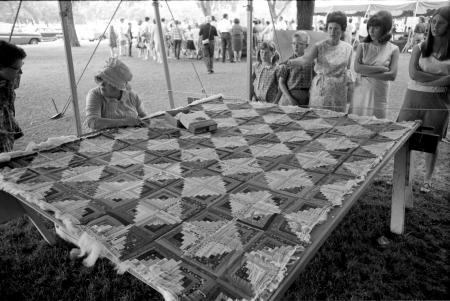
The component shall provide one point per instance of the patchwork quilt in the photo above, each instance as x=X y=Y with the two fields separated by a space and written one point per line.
x=216 y=216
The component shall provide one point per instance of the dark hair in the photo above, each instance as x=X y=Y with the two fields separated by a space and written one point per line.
x=213 y=18
x=337 y=17
x=163 y=20
x=427 y=46
x=272 y=47
x=147 y=19
x=225 y=16
x=383 y=19
x=10 y=54
x=236 y=21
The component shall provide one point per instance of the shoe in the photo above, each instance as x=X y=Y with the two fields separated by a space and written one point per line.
x=426 y=187
x=211 y=71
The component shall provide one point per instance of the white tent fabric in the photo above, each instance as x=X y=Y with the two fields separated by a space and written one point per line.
x=394 y=8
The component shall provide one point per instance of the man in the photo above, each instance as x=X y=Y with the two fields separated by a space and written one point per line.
x=206 y=37
x=11 y=61
x=224 y=27
x=295 y=80
x=177 y=37
x=129 y=38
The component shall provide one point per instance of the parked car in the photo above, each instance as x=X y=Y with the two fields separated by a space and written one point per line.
x=50 y=34
x=20 y=37
x=96 y=36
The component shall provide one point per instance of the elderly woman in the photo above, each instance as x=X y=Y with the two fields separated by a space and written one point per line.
x=112 y=103
x=331 y=87
x=265 y=74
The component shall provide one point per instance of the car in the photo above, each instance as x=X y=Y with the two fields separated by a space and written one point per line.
x=50 y=34
x=20 y=38
x=97 y=36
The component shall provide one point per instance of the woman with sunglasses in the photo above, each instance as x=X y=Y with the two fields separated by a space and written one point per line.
x=11 y=62
x=427 y=96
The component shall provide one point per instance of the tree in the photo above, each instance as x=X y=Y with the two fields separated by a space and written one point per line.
x=305 y=11
x=282 y=5
x=209 y=6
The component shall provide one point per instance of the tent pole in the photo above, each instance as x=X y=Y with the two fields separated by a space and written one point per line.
x=70 y=69
x=163 y=53
x=249 y=47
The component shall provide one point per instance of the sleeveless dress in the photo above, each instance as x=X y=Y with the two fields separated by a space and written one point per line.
x=370 y=95
x=329 y=86
x=427 y=103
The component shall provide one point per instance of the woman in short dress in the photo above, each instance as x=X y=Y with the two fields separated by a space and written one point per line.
x=112 y=42
x=376 y=64
x=331 y=88
x=237 y=35
x=427 y=96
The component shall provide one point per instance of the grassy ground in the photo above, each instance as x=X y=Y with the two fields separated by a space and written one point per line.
x=350 y=265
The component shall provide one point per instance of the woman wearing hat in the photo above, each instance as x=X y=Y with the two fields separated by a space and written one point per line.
x=112 y=103
x=376 y=64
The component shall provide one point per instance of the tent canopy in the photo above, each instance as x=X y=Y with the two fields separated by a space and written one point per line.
x=397 y=10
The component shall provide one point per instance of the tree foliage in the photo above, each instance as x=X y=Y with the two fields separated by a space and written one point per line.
x=277 y=8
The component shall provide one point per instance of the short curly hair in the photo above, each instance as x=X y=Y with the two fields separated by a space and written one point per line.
x=337 y=17
x=272 y=47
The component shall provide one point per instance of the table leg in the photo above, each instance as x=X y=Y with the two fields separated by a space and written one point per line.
x=11 y=208
x=402 y=190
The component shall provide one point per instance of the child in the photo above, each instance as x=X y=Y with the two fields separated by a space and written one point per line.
x=265 y=74
x=11 y=61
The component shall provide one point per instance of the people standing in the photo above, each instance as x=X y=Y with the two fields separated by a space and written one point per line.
x=129 y=39
x=147 y=38
x=237 y=37
x=376 y=63
x=331 y=88
x=427 y=96
x=207 y=34
x=11 y=62
x=140 y=40
x=265 y=74
x=190 y=46
x=224 y=28
x=177 y=37
x=295 y=80
x=122 y=37
x=112 y=42
x=419 y=31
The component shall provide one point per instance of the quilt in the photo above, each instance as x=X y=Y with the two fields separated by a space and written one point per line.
x=216 y=216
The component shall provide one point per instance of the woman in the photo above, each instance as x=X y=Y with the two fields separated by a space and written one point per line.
x=427 y=96
x=376 y=64
x=190 y=46
x=237 y=35
x=112 y=103
x=112 y=42
x=265 y=74
x=331 y=87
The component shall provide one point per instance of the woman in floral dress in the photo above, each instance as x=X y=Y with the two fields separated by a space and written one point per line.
x=331 y=88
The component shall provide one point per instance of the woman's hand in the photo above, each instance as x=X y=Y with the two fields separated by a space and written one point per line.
x=131 y=121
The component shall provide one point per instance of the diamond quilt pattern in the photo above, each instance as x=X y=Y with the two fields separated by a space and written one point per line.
x=187 y=212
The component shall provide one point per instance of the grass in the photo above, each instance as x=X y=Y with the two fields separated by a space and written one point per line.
x=350 y=264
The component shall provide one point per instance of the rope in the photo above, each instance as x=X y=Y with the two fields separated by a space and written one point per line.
x=92 y=55
x=198 y=77
x=274 y=31
x=15 y=20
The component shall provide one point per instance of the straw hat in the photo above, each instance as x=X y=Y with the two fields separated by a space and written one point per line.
x=115 y=73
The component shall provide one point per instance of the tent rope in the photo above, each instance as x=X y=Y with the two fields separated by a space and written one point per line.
x=15 y=20
x=274 y=31
x=92 y=55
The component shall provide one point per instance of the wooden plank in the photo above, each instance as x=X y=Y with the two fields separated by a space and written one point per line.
x=401 y=188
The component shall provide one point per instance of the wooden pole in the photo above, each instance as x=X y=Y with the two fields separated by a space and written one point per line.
x=163 y=53
x=70 y=69
x=249 y=47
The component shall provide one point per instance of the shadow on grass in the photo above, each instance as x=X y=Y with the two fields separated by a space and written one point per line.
x=350 y=265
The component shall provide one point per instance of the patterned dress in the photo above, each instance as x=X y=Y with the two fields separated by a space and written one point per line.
x=329 y=86
x=265 y=84
x=9 y=128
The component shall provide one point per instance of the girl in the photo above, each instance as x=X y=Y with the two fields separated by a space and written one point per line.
x=427 y=96
x=265 y=74
x=376 y=64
